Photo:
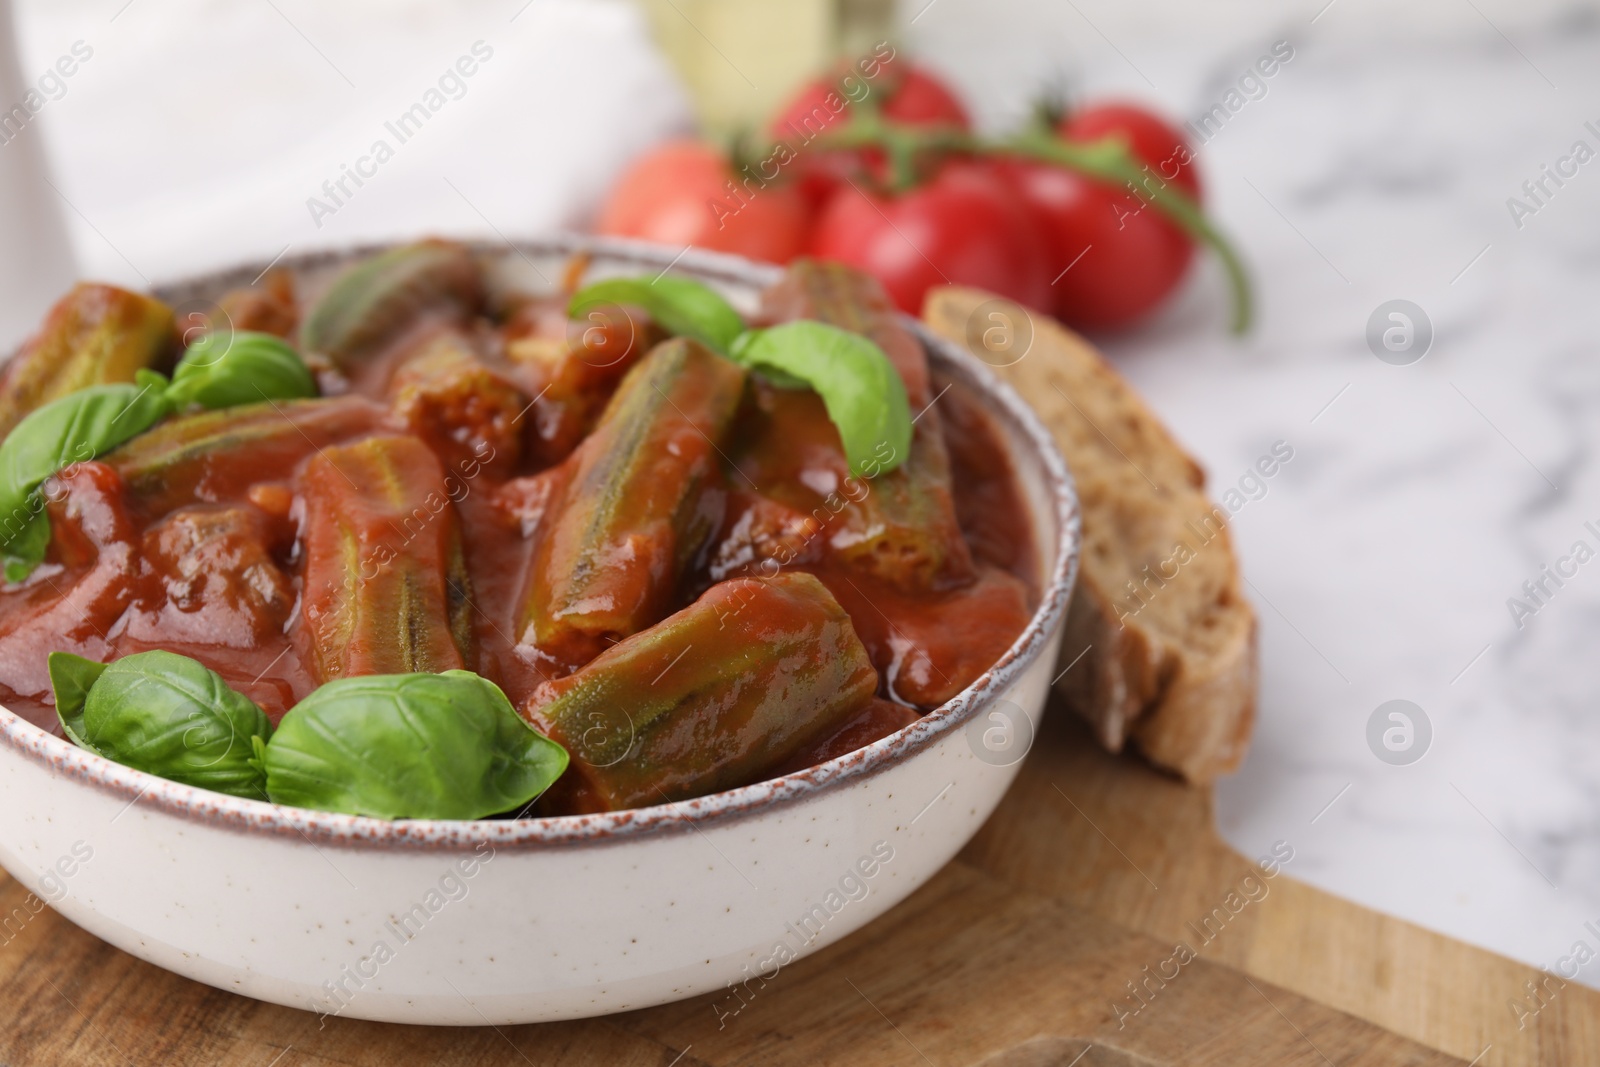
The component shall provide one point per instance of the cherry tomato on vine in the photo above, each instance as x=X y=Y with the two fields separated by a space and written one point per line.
x=964 y=227
x=917 y=97
x=1110 y=257
x=679 y=194
x=1150 y=138
x=906 y=93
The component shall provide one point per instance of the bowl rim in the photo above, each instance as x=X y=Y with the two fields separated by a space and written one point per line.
x=255 y=817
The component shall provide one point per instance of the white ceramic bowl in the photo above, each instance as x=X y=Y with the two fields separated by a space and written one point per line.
x=466 y=923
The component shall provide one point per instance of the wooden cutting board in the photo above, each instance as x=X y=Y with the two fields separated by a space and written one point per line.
x=1018 y=954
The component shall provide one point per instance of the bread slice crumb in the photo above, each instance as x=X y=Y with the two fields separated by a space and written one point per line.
x=1160 y=638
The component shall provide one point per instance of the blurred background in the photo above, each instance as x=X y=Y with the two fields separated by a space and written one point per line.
x=1380 y=163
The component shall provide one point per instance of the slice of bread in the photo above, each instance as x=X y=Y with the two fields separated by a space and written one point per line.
x=1160 y=643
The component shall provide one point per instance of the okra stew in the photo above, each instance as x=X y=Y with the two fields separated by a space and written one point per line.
x=416 y=547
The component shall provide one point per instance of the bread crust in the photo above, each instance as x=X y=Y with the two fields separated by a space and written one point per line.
x=1159 y=646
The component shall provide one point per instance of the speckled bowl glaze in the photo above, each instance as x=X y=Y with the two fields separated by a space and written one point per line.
x=513 y=921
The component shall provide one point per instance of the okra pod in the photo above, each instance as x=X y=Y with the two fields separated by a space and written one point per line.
x=634 y=511
x=716 y=696
x=851 y=300
x=377 y=300
x=759 y=537
x=573 y=367
x=214 y=455
x=218 y=570
x=899 y=526
x=265 y=308
x=94 y=335
x=448 y=396
x=385 y=590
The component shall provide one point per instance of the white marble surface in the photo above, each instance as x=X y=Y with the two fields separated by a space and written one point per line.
x=1420 y=498
x=1377 y=166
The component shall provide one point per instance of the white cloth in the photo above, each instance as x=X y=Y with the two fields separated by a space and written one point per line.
x=199 y=130
x=35 y=259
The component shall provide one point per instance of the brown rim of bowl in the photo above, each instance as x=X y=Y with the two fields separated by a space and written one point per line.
x=252 y=816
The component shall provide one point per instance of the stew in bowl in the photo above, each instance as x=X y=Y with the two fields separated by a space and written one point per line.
x=422 y=548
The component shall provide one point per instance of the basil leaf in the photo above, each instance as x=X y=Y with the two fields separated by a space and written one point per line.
x=232 y=367
x=165 y=714
x=145 y=378
x=781 y=379
x=72 y=429
x=76 y=428
x=26 y=550
x=71 y=677
x=864 y=394
x=682 y=306
x=410 y=746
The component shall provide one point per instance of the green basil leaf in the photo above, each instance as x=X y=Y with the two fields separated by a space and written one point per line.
x=781 y=379
x=232 y=367
x=71 y=429
x=164 y=714
x=72 y=677
x=410 y=746
x=144 y=378
x=864 y=394
x=76 y=428
x=26 y=550
x=682 y=306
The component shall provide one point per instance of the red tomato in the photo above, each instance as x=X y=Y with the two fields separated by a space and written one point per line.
x=1150 y=139
x=906 y=93
x=963 y=227
x=686 y=193
x=917 y=97
x=1111 y=258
